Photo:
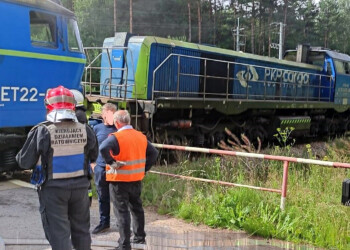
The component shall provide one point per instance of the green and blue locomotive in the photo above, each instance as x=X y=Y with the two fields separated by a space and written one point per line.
x=179 y=91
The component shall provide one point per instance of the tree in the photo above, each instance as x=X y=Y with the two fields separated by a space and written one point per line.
x=130 y=30
x=189 y=22
x=328 y=19
x=344 y=36
x=68 y=4
x=115 y=15
x=199 y=21
x=252 y=30
x=212 y=21
x=93 y=28
x=307 y=13
x=285 y=12
x=271 y=7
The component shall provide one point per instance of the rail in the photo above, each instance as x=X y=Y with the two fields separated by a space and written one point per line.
x=285 y=159
x=184 y=78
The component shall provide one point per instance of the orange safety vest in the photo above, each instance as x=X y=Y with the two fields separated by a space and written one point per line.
x=132 y=152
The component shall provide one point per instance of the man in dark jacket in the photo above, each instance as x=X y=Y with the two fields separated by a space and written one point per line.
x=129 y=155
x=60 y=150
x=102 y=131
x=80 y=113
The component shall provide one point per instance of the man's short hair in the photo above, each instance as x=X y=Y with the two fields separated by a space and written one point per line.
x=122 y=117
x=109 y=106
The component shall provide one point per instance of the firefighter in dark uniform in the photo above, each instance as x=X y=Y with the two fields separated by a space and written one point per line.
x=80 y=113
x=129 y=156
x=59 y=151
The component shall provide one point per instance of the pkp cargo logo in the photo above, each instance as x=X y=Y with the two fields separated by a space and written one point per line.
x=247 y=75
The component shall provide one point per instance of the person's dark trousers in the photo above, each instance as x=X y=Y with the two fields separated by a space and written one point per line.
x=125 y=196
x=102 y=188
x=65 y=216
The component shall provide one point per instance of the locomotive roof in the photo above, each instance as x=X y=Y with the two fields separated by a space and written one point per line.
x=44 y=4
x=148 y=40
x=330 y=53
x=337 y=55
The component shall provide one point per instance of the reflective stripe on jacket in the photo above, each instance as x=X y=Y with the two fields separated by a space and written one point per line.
x=131 y=159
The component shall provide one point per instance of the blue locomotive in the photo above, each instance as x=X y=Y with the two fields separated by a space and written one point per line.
x=179 y=91
x=40 y=48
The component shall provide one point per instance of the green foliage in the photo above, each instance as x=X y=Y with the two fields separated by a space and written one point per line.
x=313 y=213
x=95 y=20
x=320 y=24
x=284 y=137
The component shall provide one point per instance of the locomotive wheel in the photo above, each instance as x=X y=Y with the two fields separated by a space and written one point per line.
x=176 y=140
x=169 y=137
x=215 y=138
x=347 y=127
x=257 y=131
x=332 y=128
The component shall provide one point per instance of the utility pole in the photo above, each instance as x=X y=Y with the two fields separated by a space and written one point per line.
x=199 y=21
x=281 y=42
x=278 y=46
x=214 y=22
x=189 y=22
x=130 y=16
x=115 y=16
x=237 y=36
x=236 y=33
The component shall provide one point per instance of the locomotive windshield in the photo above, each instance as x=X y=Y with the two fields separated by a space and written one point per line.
x=74 y=41
x=43 y=29
x=316 y=58
x=342 y=67
x=313 y=57
x=290 y=56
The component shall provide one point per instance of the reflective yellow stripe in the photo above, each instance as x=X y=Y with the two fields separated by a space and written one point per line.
x=133 y=171
x=129 y=163
x=17 y=53
x=290 y=121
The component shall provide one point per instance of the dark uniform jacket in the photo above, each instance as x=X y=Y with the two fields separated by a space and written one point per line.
x=63 y=151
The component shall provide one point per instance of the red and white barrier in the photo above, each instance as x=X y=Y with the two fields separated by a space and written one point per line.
x=285 y=160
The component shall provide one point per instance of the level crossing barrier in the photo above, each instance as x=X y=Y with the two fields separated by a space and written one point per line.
x=284 y=159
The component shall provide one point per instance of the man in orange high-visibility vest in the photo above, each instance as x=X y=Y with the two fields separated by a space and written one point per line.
x=129 y=155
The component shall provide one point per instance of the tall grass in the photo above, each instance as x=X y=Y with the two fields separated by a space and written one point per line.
x=313 y=211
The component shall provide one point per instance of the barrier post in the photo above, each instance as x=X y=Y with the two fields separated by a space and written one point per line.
x=284 y=184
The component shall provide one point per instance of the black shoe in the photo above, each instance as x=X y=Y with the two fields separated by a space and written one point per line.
x=100 y=229
x=138 y=241
x=120 y=248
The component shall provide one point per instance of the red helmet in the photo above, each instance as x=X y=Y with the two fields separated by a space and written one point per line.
x=59 y=98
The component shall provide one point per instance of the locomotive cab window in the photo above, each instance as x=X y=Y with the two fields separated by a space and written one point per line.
x=43 y=29
x=329 y=69
x=316 y=58
x=339 y=66
x=347 y=68
x=290 y=56
x=74 y=41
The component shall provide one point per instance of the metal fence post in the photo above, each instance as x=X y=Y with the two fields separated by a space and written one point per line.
x=284 y=184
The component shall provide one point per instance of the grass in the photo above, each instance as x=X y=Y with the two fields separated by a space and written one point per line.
x=313 y=213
